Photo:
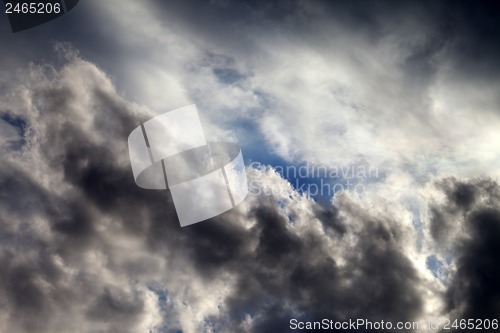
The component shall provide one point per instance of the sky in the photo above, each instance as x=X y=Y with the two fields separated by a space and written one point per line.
x=370 y=134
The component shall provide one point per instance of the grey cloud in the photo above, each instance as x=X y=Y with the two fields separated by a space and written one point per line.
x=313 y=262
x=58 y=220
x=468 y=226
x=275 y=268
x=81 y=244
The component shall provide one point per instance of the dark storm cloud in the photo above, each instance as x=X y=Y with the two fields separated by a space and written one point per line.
x=475 y=289
x=472 y=209
x=289 y=275
x=32 y=284
x=21 y=294
x=330 y=219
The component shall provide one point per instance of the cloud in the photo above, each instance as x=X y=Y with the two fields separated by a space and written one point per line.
x=85 y=249
x=318 y=81
x=465 y=222
x=51 y=222
x=315 y=81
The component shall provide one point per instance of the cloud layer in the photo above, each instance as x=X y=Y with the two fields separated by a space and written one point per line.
x=84 y=249
x=409 y=89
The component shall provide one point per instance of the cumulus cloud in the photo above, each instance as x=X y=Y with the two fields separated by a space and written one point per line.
x=9 y=134
x=84 y=249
